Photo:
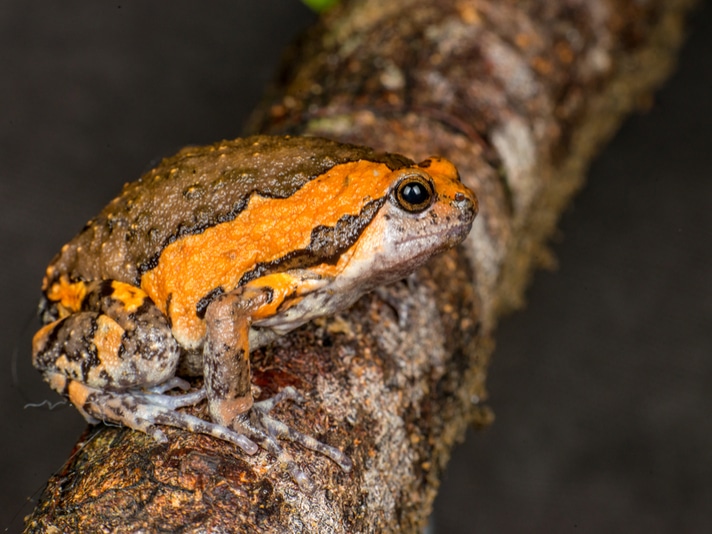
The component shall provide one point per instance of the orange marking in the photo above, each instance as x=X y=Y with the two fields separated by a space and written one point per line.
x=130 y=296
x=283 y=285
x=108 y=341
x=77 y=393
x=39 y=338
x=57 y=382
x=69 y=295
x=266 y=230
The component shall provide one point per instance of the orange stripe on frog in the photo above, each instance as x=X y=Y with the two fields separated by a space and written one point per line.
x=194 y=265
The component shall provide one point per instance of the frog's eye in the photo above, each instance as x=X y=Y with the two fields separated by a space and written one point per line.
x=414 y=193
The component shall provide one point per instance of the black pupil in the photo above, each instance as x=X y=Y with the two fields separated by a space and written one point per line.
x=414 y=193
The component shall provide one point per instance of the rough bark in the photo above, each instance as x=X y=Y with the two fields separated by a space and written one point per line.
x=519 y=95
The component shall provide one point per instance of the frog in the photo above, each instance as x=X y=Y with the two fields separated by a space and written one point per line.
x=217 y=251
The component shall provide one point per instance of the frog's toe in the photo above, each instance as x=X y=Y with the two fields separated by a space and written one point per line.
x=200 y=426
x=171 y=402
x=155 y=433
x=288 y=393
x=260 y=427
x=172 y=383
x=278 y=429
x=266 y=430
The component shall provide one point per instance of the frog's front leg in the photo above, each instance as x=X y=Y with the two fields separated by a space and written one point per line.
x=114 y=357
x=228 y=384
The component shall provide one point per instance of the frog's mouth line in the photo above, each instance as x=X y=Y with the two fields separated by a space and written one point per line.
x=459 y=231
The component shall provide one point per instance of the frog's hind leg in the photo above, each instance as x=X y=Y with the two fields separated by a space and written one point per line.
x=114 y=358
x=117 y=339
x=142 y=410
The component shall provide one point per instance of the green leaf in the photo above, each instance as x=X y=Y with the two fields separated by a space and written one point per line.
x=320 y=5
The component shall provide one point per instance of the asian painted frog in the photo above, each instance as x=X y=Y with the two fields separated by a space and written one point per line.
x=219 y=250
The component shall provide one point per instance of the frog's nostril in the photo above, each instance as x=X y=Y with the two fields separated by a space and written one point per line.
x=464 y=201
x=466 y=206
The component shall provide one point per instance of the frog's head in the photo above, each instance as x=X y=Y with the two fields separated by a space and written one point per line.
x=427 y=211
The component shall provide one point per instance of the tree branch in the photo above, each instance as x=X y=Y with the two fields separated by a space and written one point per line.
x=519 y=95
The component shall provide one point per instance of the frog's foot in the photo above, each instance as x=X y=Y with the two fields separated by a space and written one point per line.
x=266 y=430
x=142 y=410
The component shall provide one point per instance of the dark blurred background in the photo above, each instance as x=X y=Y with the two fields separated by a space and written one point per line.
x=601 y=386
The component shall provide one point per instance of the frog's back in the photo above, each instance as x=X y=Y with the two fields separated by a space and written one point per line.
x=198 y=188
